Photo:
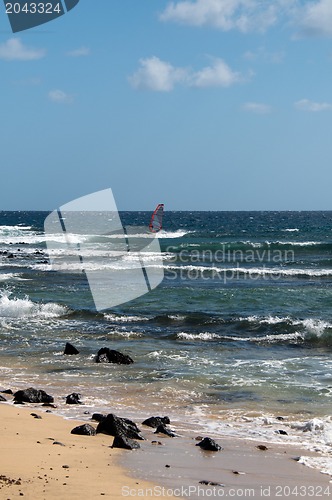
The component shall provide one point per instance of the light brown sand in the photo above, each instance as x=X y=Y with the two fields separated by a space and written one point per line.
x=32 y=465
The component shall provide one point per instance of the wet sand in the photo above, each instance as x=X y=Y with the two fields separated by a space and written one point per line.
x=240 y=467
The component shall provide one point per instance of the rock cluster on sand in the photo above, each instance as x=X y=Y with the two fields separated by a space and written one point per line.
x=125 y=431
x=209 y=444
x=162 y=429
x=125 y=443
x=32 y=395
x=117 y=426
x=84 y=430
x=154 y=422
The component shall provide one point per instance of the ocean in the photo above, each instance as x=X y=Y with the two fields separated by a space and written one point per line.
x=236 y=340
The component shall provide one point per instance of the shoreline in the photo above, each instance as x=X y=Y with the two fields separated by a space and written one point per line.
x=175 y=467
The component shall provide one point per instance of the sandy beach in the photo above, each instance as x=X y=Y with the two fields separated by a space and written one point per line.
x=41 y=459
x=34 y=466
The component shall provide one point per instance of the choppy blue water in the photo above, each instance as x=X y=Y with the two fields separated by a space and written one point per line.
x=238 y=333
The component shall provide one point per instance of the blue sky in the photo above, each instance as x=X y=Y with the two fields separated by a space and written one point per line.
x=199 y=104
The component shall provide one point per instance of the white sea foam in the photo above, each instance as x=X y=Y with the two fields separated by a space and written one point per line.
x=124 y=319
x=25 y=308
x=173 y=234
x=197 y=336
x=311 y=326
x=126 y=334
x=9 y=276
x=267 y=338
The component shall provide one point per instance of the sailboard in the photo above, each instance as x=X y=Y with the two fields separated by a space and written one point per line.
x=156 y=222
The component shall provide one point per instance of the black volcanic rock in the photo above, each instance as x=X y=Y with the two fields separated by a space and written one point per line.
x=116 y=426
x=209 y=444
x=2 y=398
x=98 y=417
x=106 y=355
x=73 y=399
x=7 y=391
x=125 y=443
x=154 y=422
x=70 y=350
x=162 y=429
x=32 y=395
x=84 y=430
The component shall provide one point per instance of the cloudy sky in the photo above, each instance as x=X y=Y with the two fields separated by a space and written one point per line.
x=200 y=104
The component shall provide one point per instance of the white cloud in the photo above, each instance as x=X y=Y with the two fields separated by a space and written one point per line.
x=309 y=17
x=80 y=52
x=60 y=96
x=160 y=76
x=219 y=74
x=14 y=50
x=243 y=15
x=307 y=105
x=257 y=107
x=316 y=18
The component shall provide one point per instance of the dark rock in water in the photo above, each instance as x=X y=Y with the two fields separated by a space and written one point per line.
x=70 y=350
x=282 y=432
x=209 y=444
x=162 y=429
x=211 y=483
x=7 y=391
x=73 y=399
x=2 y=398
x=116 y=426
x=10 y=256
x=262 y=447
x=84 y=430
x=125 y=443
x=280 y=418
x=98 y=417
x=32 y=395
x=156 y=421
x=106 y=355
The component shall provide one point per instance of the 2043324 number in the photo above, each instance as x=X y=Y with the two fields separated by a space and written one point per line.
x=303 y=491
x=33 y=8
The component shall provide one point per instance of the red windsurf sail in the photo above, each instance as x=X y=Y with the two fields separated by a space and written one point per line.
x=156 y=222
